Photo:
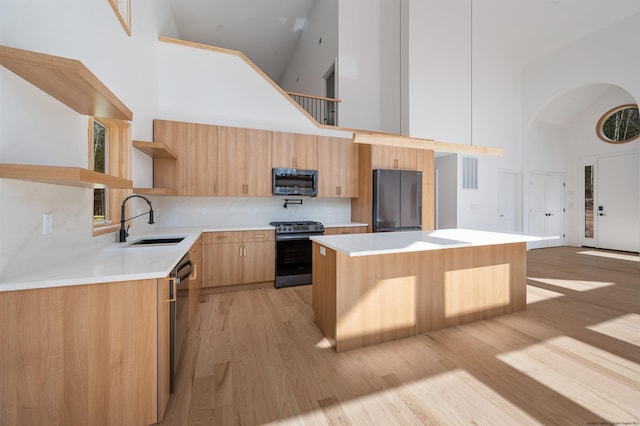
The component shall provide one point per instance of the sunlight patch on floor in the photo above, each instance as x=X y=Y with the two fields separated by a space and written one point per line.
x=593 y=378
x=458 y=397
x=575 y=285
x=625 y=328
x=537 y=294
x=323 y=344
x=620 y=256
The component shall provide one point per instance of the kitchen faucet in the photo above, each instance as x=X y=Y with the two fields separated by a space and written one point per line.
x=124 y=232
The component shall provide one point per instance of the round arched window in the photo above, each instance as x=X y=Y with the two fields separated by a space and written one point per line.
x=620 y=124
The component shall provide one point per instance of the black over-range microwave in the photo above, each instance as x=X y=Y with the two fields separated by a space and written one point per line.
x=295 y=182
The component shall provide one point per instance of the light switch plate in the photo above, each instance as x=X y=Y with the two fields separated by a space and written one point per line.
x=47 y=223
x=323 y=251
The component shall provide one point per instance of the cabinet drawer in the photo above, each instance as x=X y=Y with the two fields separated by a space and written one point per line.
x=345 y=230
x=222 y=237
x=249 y=236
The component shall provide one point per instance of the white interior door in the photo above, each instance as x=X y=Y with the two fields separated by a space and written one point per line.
x=617 y=210
x=509 y=184
x=546 y=208
x=554 y=205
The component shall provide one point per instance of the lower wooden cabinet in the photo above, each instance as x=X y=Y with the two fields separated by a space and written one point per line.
x=345 y=230
x=239 y=257
x=81 y=355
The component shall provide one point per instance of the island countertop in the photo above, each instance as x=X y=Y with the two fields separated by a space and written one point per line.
x=410 y=241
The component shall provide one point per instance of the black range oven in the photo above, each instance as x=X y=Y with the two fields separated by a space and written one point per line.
x=293 y=252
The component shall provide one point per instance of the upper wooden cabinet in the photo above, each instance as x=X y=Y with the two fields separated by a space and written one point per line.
x=202 y=160
x=388 y=157
x=194 y=172
x=294 y=150
x=337 y=162
x=244 y=162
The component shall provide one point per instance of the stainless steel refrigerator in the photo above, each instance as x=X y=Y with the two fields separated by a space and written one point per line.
x=397 y=200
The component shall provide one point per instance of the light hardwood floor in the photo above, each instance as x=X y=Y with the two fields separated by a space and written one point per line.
x=573 y=357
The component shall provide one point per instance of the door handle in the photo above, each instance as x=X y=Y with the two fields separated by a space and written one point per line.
x=602 y=214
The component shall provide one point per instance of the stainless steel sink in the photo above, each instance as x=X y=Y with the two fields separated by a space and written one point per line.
x=156 y=241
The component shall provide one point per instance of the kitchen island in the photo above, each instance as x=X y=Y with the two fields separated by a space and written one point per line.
x=374 y=288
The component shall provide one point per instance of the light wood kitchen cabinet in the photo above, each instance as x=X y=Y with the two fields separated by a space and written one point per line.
x=168 y=173
x=201 y=160
x=344 y=230
x=81 y=354
x=194 y=172
x=244 y=162
x=426 y=163
x=240 y=257
x=337 y=162
x=164 y=344
x=389 y=157
x=258 y=256
x=294 y=150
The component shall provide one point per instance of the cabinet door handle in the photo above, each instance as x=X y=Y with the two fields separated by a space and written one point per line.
x=222 y=237
x=245 y=251
x=215 y=189
x=395 y=164
x=240 y=251
x=194 y=274
x=258 y=235
x=338 y=190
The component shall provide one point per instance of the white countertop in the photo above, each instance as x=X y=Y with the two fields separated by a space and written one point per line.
x=120 y=262
x=410 y=241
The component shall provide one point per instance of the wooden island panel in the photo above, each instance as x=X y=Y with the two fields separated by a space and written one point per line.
x=365 y=300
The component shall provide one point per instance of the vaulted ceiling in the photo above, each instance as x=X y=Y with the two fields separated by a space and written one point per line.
x=267 y=31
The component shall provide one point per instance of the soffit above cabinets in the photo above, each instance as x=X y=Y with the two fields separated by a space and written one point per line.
x=67 y=80
x=428 y=144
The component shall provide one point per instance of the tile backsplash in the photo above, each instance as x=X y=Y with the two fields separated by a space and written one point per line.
x=229 y=211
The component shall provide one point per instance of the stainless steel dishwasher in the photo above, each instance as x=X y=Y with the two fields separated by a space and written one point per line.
x=179 y=313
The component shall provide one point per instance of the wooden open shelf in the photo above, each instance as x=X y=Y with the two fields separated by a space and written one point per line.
x=67 y=80
x=155 y=191
x=60 y=175
x=155 y=150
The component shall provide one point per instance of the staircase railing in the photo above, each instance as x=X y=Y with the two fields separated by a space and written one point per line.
x=323 y=110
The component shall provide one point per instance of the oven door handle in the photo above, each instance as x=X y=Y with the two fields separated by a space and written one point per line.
x=290 y=237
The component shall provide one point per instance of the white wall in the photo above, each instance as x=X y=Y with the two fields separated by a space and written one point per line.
x=311 y=60
x=440 y=70
x=37 y=129
x=598 y=59
x=496 y=117
x=369 y=65
x=205 y=86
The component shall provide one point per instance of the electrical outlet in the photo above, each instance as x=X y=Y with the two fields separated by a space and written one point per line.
x=47 y=223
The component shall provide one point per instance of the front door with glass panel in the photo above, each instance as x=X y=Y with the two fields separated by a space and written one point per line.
x=616 y=210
